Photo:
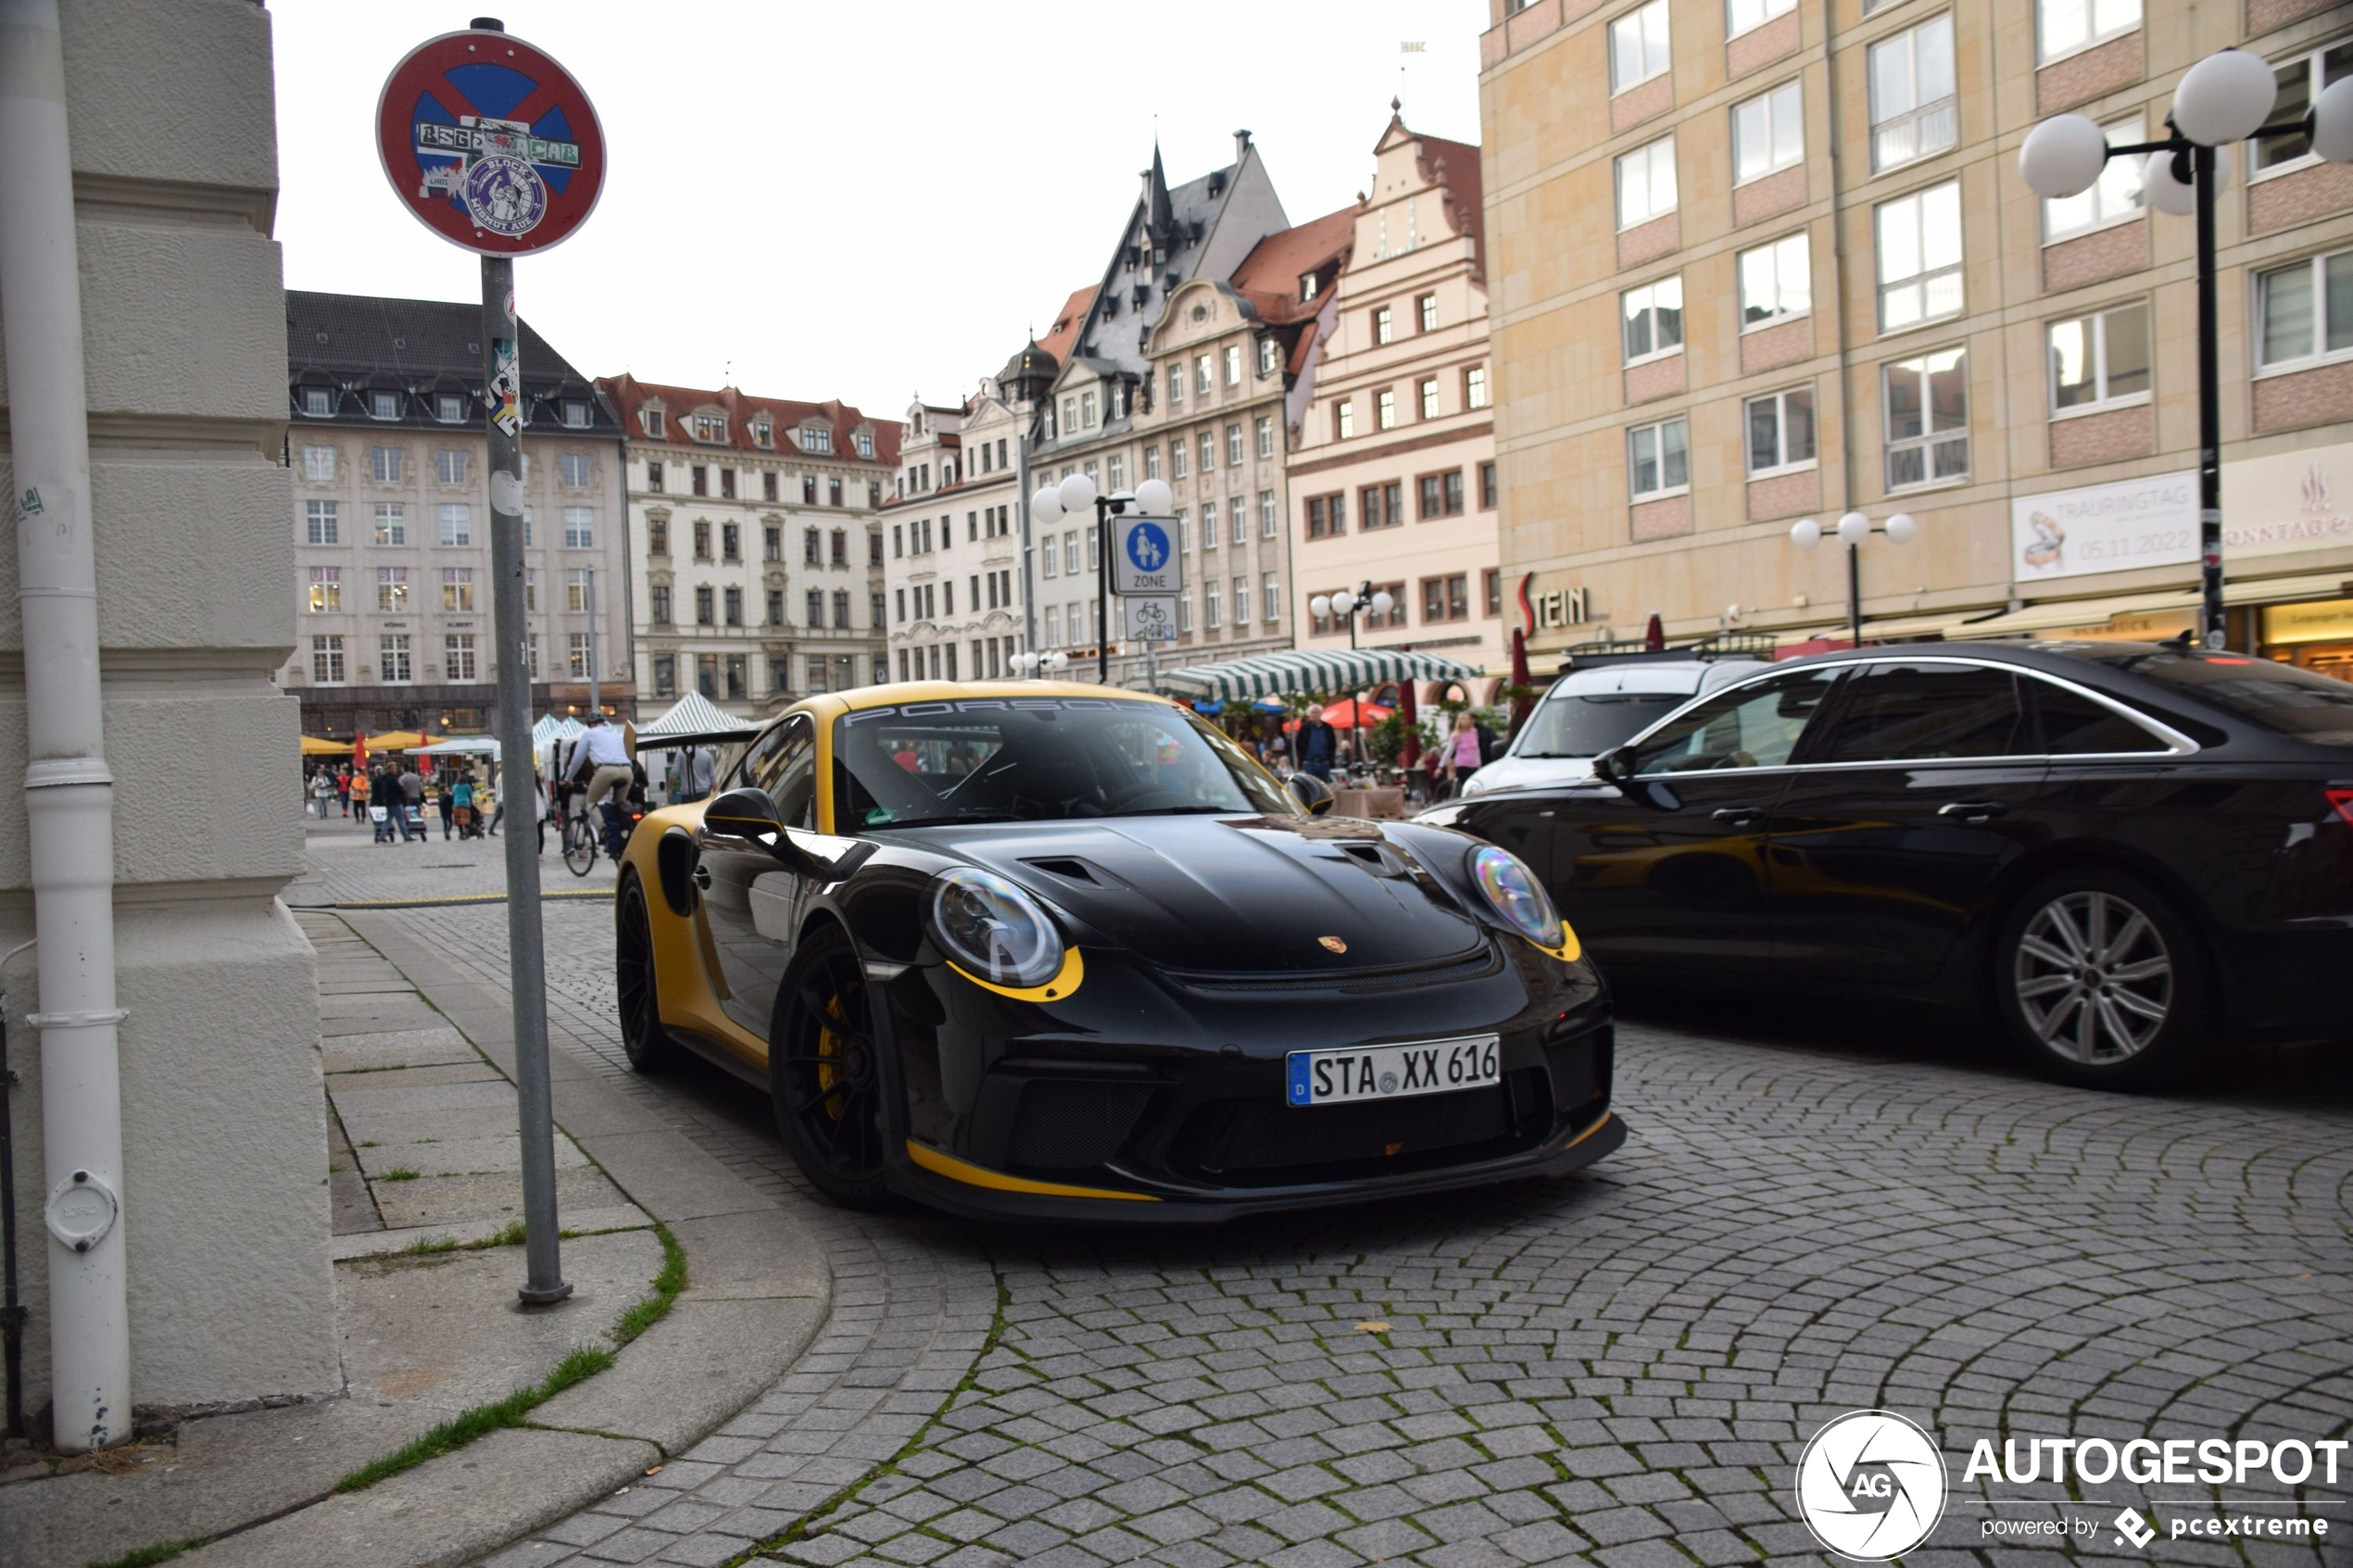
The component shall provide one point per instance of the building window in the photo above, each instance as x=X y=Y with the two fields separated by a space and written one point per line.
x=1267 y=516
x=772 y=544
x=1487 y=487
x=1233 y=446
x=449 y=467
x=1344 y=420
x=653 y=475
x=705 y=608
x=580 y=528
x=321 y=523
x=727 y=484
x=735 y=603
x=1270 y=595
x=1776 y=281
x=2100 y=360
x=1780 y=431
x=1912 y=109
x=1769 y=133
x=864 y=441
x=1475 y=387
x=576 y=654
x=383 y=405
x=1638 y=48
x=1927 y=403
x=1920 y=257
x=841 y=610
x=1176 y=459
x=318 y=402
x=1086 y=411
x=810 y=549
x=768 y=485
x=1658 y=459
x=326 y=661
x=665 y=674
x=875 y=616
x=1381 y=506
x=1237 y=519
x=656 y=426
x=531 y=589
x=1327 y=516
x=1383 y=331
x=1385 y=410
x=2301 y=80
x=384 y=464
x=698 y=480
x=1646 y=183
x=526 y=527
x=706 y=673
x=2065 y=26
x=738 y=676
x=833 y=491
x=1442 y=493
x=1208 y=454
x=575 y=414
x=1652 y=317
x=1427 y=395
x=809 y=490
x=392 y=590
x=1446 y=598
x=1210 y=609
x=1264 y=431
x=731 y=541
x=1241 y=602
x=711 y=429
x=571 y=471
x=458 y=656
x=1202 y=382
x=839 y=542
x=1741 y=14
x=2304 y=311
x=457 y=588
x=1491 y=592
x=1425 y=312
x=2114 y=196
x=1269 y=356
x=319 y=463
x=812 y=610
x=661 y=600
x=392 y=658
x=326 y=589
x=1152 y=462
x=1233 y=364
x=456 y=521
x=657 y=535
x=702 y=539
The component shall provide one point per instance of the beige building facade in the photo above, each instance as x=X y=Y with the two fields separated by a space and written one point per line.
x=1760 y=260
x=954 y=561
x=1392 y=475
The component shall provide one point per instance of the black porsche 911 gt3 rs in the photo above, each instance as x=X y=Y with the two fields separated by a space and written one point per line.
x=1058 y=952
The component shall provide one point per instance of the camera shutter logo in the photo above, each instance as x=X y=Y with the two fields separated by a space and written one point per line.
x=1870 y=1486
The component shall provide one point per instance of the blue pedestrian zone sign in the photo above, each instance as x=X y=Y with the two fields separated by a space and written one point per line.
x=1144 y=557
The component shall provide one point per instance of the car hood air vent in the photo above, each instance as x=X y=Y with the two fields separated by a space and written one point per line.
x=1068 y=869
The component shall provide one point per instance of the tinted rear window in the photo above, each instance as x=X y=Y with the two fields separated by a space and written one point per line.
x=2280 y=698
x=1588 y=723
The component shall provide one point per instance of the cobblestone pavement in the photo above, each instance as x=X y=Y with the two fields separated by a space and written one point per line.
x=348 y=867
x=1620 y=1369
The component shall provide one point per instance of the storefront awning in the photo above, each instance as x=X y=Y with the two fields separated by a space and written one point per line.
x=2063 y=614
x=1300 y=673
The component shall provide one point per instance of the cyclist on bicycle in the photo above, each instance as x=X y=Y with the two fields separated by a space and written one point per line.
x=601 y=754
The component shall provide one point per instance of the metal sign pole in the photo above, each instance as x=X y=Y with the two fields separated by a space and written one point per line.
x=527 y=971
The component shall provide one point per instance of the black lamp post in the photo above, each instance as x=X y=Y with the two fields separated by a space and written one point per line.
x=1347 y=605
x=2224 y=98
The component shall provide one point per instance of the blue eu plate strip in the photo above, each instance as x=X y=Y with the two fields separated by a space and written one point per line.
x=1301 y=1094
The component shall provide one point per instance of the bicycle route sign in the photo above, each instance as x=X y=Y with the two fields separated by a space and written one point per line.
x=490 y=143
x=1144 y=556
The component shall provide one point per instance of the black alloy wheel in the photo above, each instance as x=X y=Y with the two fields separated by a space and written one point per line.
x=647 y=1044
x=824 y=1072
x=2101 y=981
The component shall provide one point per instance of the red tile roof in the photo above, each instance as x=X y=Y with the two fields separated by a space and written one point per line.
x=1463 y=191
x=1269 y=275
x=1067 y=324
x=629 y=395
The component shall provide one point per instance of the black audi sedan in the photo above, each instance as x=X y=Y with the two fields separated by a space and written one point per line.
x=2134 y=855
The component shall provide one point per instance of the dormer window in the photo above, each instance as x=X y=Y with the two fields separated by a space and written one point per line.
x=319 y=402
x=383 y=405
x=575 y=414
x=449 y=408
x=1310 y=285
x=711 y=429
x=865 y=442
x=816 y=438
x=1269 y=355
x=656 y=426
x=761 y=433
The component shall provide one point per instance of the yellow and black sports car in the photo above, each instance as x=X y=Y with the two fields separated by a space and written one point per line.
x=1066 y=952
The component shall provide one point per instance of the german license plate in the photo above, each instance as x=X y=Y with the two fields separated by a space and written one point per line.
x=1361 y=1072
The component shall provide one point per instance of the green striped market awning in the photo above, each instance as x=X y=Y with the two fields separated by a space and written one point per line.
x=1300 y=673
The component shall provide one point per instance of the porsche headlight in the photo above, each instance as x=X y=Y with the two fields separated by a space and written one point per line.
x=993 y=929
x=1513 y=892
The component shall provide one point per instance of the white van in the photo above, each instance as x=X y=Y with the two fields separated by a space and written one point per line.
x=1602 y=701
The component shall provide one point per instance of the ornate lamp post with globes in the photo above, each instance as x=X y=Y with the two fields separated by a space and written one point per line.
x=1852 y=529
x=1347 y=605
x=2223 y=98
x=1075 y=494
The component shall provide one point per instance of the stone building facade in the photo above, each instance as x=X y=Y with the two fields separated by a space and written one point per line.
x=1763 y=260
x=758 y=575
x=954 y=555
x=392 y=522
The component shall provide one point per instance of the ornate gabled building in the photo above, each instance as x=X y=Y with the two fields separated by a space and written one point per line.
x=759 y=573
x=391 y=521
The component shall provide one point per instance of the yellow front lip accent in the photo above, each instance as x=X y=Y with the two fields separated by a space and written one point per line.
x=1066 y=979
x=956 y=1170
x=1570 y=950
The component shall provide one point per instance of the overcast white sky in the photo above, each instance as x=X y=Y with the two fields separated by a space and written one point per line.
x=867 y=200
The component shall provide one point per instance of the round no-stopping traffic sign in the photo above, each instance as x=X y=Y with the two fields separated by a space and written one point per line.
x=491 y=144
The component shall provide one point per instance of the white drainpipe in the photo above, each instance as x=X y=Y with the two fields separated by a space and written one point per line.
x=68 y=793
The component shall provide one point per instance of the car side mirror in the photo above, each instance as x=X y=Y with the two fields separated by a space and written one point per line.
x=1311 y=793
x=743 y=813
x=1615 y=765
x=750 y=814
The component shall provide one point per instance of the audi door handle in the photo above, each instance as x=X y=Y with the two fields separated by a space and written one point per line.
x=1972 y=811
x=702 y=878
x=1738 y=816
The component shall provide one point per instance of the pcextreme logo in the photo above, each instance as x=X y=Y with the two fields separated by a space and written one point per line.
x=1870 y=1486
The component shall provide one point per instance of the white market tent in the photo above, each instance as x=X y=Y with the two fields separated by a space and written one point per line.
x=463 y=745
x=696 y=714
x=1296 y=671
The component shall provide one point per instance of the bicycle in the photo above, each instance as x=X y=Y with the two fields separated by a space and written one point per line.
x=581 y=838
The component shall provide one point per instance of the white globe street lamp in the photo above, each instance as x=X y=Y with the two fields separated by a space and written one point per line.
x=2223 y=99
x=1154 y=497
x=1850 y=531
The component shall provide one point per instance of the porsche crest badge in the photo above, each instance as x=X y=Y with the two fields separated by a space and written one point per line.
x=1332 y=943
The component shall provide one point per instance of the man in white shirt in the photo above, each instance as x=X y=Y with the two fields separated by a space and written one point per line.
x=601 y=748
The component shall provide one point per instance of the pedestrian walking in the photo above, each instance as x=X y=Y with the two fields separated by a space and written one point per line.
x=322 y=789
x=1318 y=744
x=448 y=804
x=343 y=786
x=409 y=797
x=1462 y=756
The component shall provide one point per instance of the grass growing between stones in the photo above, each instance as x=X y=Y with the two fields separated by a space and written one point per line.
x=402 y=1175
x=145 y=1555
x=584 y=1363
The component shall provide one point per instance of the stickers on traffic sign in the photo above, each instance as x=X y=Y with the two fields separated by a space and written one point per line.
x=1147 y=619
x=490 y=143
x=505 y=386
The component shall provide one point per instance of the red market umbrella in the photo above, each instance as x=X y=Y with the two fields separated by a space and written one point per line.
x=1412 y=752
x=1520 y=706
x=360 y=752
x=1654 y=634
x=1341 y=715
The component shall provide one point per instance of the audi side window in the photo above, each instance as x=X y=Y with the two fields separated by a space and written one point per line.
x=2073 y=726
x=1927 y=713
x=1753 y=726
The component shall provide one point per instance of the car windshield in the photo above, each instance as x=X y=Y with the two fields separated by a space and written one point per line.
x=2278 y=697
x=1038 y=759
x=1588 y=723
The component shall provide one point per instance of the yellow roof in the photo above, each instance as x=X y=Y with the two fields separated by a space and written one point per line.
x=315 y=746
